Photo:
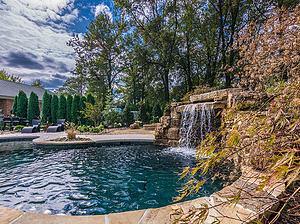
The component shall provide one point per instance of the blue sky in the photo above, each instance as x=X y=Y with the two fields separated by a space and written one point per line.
x=33 y=36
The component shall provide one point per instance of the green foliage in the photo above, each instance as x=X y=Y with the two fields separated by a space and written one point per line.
x=75 y=110
x=33 y=110
x=127 y=116
x=90 y=98
x=37 y=83
x=46 y=107
x=5 y=76
x=22 y=104
x=62 y=107
x=54 y=108
x=111 y=115
x=156 y=111
x=117 y=125
x=93 y=112
x=142 y=115
x=18 y=128
x=69 y=107
x=15 y=106
x=82 y=107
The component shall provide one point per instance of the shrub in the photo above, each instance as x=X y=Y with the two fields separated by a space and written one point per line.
x=117 y=125
x=15 y=106
x=156 y=112
x=22 y=104
x=75 y=110
x=142 y=115
x=71 y=134
x=62 y=107
x=127 y=116
x=101 y=127
x=69 y=107
x=46 y=107
x=18 y=128
x=33 y=111
x=54 y=108
x=94 y=130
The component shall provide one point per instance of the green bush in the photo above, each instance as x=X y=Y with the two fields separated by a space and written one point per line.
x=18 y=128
x=155 y=119
x=101 y=127
x=94 y=130
x=83 y=128
x=22 y=104
x=46 y=107
x=54 y=108
x=33 y=110
x=117 y=125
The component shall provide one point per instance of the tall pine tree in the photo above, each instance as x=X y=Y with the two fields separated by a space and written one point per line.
x=75 y=110
x=22 y=104
x=69 y=107
x=46 y=107
x=33 y=110
x=62 y=106
x=54 y=108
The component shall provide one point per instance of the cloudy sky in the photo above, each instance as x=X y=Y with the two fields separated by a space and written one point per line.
x=33 y=36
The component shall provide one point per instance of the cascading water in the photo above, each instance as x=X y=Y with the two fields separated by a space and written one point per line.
x=195 y=125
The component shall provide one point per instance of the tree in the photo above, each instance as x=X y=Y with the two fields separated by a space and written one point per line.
x=69 y=107
x=127 y=116
x=33 y=110
x=75 y=110
x=94 y=112
x=15 y=106
x=81 y=108
x=54 y=108
x=142 y=114
x=46 y=107
x=156 y=111
x=5 y=76
x=22 y=104
x=111 y=115
x=90 y=98
x=62 y=106
x=37 y=83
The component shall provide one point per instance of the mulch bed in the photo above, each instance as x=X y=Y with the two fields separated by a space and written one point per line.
x=65 y=139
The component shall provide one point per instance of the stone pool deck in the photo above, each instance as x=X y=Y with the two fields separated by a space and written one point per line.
x=246 y=210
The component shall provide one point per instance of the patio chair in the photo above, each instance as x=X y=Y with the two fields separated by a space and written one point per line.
x=57 y=128
x=35 y=127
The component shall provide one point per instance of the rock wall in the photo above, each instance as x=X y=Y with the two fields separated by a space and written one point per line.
x=168 y=128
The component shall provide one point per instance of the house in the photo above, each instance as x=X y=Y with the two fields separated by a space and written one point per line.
x=8 y=91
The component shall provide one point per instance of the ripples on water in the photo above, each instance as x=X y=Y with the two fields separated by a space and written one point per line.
x=92 y=181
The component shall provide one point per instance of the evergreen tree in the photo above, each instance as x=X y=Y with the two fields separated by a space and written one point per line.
x=142 y=114
x=111 y=116
x=156 y=111
x=69 y=107
x=15 y=106
x=46 y=107
x=54 y=109
x=33 y=110
x=127 y=116
x=75 y=110
x=90 y=98
x=22 y=104
x=82 y=107
x=62 y=106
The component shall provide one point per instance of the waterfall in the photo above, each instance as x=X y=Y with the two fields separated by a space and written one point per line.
x=195 y=125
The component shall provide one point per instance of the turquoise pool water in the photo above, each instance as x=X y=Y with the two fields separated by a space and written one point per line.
x=92 y=181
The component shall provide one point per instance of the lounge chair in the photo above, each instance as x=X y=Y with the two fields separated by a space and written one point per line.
x=57 y=128
x=35 y=127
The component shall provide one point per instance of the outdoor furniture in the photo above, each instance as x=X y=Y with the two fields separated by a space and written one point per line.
x=7 y=121
x=15 y=121
x=35 y=127
x=57 y=128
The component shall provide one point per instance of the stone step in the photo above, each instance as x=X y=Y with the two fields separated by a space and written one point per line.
x=218 y=95
x=208 y=106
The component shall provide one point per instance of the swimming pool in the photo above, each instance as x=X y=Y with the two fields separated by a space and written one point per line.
x=92 y=181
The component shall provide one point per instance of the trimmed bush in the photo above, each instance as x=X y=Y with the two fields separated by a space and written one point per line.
x=33 y=110
x=69 y=107
x=90 y=98
x=62 y=107
x=54 y=108
x=75 y=110
x=22 y=104
x=156 y=111
x=18 y=128
x=142 y=115
x=46 y=107
x=81 y=108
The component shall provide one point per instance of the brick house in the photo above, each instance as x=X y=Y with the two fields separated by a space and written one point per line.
x=8 y=91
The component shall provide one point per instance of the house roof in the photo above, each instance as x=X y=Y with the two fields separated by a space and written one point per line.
x=8 y=90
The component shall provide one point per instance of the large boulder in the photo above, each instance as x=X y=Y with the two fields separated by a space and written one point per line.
x=134 y=126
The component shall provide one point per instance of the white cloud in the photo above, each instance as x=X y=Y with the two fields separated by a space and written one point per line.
x=37 y=28
x=103 y=9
